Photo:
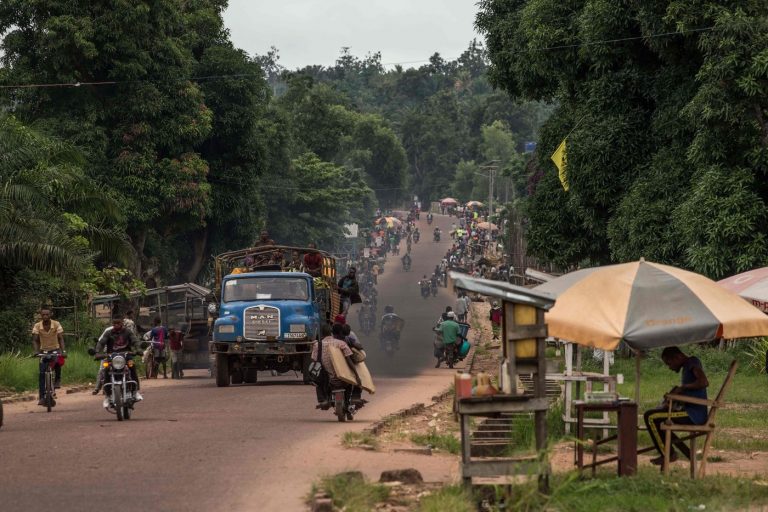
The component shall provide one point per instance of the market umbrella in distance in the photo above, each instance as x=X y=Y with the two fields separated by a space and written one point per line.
x=751 y=285
x=487 y=226
x=449 y=200
x=475 y=204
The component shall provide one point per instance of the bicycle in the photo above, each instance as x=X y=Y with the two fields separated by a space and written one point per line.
x=49 y=394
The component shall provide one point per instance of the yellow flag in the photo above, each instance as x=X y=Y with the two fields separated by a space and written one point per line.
x=560 y=161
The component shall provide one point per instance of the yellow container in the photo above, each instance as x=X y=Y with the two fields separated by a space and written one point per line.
x=525 y=315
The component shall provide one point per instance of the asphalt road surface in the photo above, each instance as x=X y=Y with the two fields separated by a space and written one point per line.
x=192 y=446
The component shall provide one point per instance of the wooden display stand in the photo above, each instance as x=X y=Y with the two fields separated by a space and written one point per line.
x=524 y=352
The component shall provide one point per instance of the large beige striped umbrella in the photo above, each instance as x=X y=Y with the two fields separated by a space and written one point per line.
x=647 y=305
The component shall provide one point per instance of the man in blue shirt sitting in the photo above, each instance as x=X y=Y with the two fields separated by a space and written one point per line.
x=693 y=383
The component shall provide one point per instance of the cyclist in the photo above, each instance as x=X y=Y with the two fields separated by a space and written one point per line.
x=48 y=335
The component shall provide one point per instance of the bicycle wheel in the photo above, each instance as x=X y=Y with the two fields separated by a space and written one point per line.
x=48 y=398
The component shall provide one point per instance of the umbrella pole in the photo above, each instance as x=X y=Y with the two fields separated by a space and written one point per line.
x=637 y=377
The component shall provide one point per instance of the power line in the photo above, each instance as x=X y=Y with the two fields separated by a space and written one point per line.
x=260 y=75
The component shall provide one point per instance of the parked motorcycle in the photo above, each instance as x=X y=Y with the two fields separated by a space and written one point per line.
x=119 y=388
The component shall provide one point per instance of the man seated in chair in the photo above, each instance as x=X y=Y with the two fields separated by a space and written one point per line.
x=693 y=383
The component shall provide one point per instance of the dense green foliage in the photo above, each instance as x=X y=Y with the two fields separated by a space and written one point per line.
x=154 y=143
x=666 y=106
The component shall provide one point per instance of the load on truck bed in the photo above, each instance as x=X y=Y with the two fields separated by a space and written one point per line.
x=268 y=312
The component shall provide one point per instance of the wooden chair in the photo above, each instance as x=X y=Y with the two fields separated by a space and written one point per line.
x=695 y=431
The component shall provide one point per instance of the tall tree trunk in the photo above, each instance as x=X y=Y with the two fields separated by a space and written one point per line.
x=138 y=240
x=199 y=244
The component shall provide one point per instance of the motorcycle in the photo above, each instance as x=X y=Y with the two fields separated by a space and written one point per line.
x=367 y=321
x=425 y=292
x=436 y=237
x=433 y=287
x=389 y=343
x=416 y=237
x=429 y=219
x=119 y=388
x=407 y=266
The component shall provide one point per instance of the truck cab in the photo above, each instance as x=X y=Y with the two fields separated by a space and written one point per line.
x=267 y=319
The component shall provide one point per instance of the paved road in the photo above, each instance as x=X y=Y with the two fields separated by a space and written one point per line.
x=195 y=447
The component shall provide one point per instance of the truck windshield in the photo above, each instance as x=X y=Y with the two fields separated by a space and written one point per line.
x=265 y=288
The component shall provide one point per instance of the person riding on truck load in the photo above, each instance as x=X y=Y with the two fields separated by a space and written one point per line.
x=349 y=290
x=313 y=262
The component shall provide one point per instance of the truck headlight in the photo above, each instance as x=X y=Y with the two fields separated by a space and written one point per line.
x=298 y=328
x=227 y=329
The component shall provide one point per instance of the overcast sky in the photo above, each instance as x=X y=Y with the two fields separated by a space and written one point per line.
x=313 y=31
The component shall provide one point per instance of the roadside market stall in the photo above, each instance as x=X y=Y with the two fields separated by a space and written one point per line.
x=648 y=305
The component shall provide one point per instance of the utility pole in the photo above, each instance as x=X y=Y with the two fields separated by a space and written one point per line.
x=491 y=167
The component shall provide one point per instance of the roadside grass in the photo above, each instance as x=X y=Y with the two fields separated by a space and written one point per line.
x=453 y=498
x=647 y=491
x=445 y=442
x=19 y=372
x=351 y=492
x=355 y=439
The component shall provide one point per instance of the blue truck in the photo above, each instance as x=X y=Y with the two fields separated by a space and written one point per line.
x=267 y=312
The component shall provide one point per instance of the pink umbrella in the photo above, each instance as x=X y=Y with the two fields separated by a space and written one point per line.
x=751 y=285
x=449 y=200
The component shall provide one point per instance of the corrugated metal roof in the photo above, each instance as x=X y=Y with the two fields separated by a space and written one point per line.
x=503 y=291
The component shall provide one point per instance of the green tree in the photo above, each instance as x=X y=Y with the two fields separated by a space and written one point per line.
x=666 y=134
x=141 y=131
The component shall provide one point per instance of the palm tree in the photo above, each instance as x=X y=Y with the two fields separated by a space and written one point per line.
x=42 y=190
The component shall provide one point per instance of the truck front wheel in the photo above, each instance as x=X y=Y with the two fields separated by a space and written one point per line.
x=222 y=370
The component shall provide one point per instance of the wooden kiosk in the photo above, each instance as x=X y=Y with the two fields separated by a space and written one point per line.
x=523 y=350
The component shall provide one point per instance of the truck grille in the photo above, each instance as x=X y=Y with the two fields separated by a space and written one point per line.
x=261 y=322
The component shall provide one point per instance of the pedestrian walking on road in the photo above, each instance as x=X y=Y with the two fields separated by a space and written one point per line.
x=461 y=308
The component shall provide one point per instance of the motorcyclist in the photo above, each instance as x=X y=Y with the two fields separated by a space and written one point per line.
x=416 y=235
x=391 y=325
x=366 y=314
x=406 y=261
x=436 y=234
x=425 y=285
x=433 y=282
x=120 y=339
x=429 y=218
x=451 y=332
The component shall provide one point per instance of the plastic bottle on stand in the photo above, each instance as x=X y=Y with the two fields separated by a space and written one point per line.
x=463 y=383
x=504 y=383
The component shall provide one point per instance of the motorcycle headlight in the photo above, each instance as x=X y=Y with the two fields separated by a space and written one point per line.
x=118 y=362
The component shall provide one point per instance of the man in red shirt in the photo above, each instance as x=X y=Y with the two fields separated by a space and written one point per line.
x=313 y=262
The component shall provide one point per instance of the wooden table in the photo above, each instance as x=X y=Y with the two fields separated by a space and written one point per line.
x=626 y=436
